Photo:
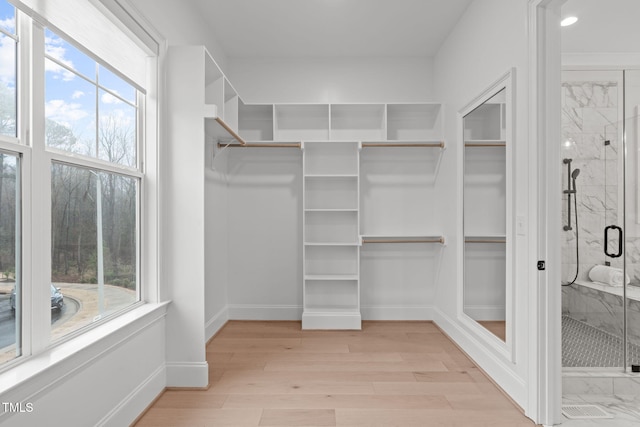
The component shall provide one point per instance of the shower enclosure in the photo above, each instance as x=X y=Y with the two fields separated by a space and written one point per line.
x=601 y=234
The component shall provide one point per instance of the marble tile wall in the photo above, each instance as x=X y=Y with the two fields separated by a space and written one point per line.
x=589 y=118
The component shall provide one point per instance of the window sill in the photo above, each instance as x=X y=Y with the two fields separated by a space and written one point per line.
x=75 y=353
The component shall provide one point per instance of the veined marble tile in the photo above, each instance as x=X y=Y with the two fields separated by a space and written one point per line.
x=627 y=386
x=583 y=385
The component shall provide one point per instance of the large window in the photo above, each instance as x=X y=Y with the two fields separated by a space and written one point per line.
x=71 y=181
x=94 y=233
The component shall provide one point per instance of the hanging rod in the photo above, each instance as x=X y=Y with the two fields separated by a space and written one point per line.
x=485 y=241
x=435 y=240
x=231 y=131
x=403 y=144
x=260 y=145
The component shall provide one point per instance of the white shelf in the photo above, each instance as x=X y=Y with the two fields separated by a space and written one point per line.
x=255 y=122
x=358 y=121
x=331 y=210
x=301 y=122
x=321 y=176
x=331 y=277
x=417 y=121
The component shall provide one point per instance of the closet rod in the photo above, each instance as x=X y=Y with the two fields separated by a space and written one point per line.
x=231 y=131
x=415 y=144
x=485 y=241
x=259 y=145
x=495 y=144
x=436 y=240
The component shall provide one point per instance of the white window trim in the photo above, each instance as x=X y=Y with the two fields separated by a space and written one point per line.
x=36 y=160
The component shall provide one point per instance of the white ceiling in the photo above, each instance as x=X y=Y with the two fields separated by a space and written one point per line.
x=323 y=28
x=603 y=26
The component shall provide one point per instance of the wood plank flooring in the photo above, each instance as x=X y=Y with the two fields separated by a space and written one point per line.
x=389 y=374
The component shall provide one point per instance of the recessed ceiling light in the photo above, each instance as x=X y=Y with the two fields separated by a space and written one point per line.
x=569 y=20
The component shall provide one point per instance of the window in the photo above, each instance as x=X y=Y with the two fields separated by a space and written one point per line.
x=8 y=53
x=80 y=161
x=94 y=247
x=94 y=230
x=89 y=110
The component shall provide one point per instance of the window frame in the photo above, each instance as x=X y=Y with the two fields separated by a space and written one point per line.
x=36 y=160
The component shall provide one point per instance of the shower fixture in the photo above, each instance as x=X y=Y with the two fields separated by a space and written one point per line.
x=571 y=189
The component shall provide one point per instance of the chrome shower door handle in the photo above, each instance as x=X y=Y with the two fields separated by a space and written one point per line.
x=606 y=241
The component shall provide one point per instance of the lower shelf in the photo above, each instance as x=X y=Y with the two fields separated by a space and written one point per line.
x=334 y=319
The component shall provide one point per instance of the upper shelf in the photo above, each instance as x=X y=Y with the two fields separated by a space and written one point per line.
x=403 y=125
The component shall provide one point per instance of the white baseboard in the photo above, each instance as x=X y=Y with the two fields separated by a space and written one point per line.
x=397 y=313
x=130 y=408
x=187 y=374
x=294 y=312
x=498 y=367
x=485 y=312
x=264 y=312
x=332 y=321
x=216 y=323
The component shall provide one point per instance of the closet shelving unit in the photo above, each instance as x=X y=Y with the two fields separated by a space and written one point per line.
x=331 y=247
x=332 y=137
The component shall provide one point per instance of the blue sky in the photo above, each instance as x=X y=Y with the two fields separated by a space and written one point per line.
x=71 y=99
x=7 y=44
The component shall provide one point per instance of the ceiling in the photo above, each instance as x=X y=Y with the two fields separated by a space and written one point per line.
x=603 y=26
x=323 y=28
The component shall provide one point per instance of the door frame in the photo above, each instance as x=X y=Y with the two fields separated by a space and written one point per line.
x=545 y=387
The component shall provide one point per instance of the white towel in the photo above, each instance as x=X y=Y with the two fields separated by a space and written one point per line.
x=607 y=275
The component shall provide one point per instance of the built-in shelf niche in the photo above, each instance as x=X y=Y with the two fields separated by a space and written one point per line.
x=331 y=260
x=331 y=192
x=301 y=122
x=335 y=227
x=361 y=122
x=414 y=122
x=255 y=122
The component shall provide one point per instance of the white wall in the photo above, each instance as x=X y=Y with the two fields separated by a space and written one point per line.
x=180 y=25
x=332 y=80
x=265 y=233
x=109 y=379
x=480 y=49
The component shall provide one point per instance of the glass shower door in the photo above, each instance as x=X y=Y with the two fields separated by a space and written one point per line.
x=631 y=290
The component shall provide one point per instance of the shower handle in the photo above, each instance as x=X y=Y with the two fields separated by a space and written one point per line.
x=606 y=241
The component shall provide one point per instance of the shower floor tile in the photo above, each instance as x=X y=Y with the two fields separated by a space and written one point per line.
x=586 y=346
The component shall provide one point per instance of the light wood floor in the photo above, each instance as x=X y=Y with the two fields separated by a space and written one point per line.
x=388 y=374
